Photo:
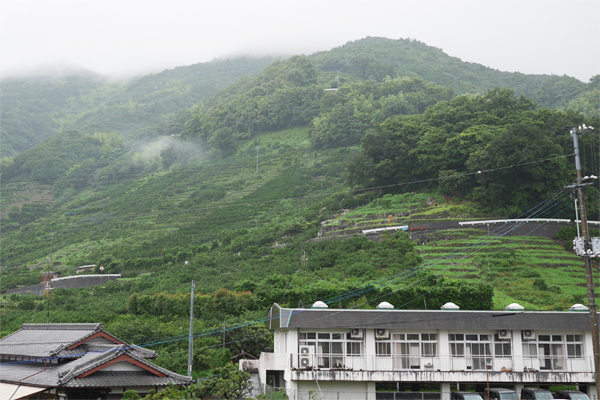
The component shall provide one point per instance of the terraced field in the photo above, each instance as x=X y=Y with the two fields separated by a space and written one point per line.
x=523 y=269
x=534 y=271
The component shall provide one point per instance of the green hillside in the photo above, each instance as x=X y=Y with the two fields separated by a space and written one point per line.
x=34 y=109
x=374 y=58
x=251 y=192
x=37 y=108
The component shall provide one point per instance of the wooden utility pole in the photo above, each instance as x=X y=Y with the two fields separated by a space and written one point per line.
x=48 y=280
x=584 y=249
x=191 y=336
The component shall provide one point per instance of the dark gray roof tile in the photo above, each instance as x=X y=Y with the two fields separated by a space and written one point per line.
x=45 y=340
x=426 y=320
x=127 y=379
x=49 y=341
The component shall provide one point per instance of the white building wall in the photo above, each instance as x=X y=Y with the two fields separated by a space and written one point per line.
x=122 y=366
x=444 y=350
x=370 y=348
x=334 y=390
x=371 y=391
x=518 y=387
x=588 y=348
x=100 y=340
x=445 y=391
x=292 y=342
x=363 y=381
x=517 y=351
x=276 y=336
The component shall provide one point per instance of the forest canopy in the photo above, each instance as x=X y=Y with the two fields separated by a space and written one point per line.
x=463 y=145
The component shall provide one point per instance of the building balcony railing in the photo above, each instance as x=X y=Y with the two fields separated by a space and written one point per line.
x=441 y=363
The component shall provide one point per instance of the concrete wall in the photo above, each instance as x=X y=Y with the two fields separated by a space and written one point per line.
x=77 y=281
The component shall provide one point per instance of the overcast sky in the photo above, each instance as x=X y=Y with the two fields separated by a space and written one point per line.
x=124 y=37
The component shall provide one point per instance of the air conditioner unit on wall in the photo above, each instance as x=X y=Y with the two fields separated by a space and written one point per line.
x=503 y=334
x=357 y=333
x=528 y=334
x=306 y=356
x=382 y=334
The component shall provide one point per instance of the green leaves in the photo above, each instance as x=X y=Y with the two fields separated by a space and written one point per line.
x=360 y=107
x=496 y=132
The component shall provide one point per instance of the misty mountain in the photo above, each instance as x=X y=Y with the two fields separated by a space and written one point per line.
x=242 y=174
x=375 y=57
x=35 y=108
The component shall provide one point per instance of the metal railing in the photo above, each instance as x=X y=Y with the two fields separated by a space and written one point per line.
x=472 y=363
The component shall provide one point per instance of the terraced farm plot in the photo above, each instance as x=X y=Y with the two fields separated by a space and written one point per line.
x=526 y=270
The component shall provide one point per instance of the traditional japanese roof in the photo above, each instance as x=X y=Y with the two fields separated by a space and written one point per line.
x=60 y=340
x=283 y=318
x=84 y=356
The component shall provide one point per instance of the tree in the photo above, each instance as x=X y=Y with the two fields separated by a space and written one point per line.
x=223 y=140
x=231 y=383
x=130 y=395
x=171 y=392
x=520 y=143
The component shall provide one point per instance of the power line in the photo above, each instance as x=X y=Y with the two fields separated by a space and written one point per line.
x=319 y=195
x=339 y=297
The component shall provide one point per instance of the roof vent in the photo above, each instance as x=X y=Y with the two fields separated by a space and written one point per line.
x=578 y=308
x=450 y=306
x=319 y=304
x=385 y=305
x=514 y=307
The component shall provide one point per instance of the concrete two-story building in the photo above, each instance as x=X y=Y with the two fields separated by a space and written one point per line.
x=351 y=354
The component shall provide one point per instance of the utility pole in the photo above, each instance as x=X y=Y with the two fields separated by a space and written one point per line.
x=257 y=163
x=191 y=339
x=48 y=281
x=583 y=247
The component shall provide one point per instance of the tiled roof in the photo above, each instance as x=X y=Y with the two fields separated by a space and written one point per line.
x=126 y=379
x=50 y=342
x=45 y=340
x=426 y=320
x=15 y=372
x=66 y=374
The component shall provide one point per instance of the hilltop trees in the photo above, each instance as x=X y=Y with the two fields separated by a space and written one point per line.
x=286 y=95
x=347 y=114
x=282 y=96
x=458 y=138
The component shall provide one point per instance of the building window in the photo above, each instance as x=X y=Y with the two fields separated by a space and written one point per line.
x=383 y=348
x=329 y=347
x=407 y=349
x=553 y=350
x=475 y=348
x=502 y=347
x=574 y=346
x=354 y=348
